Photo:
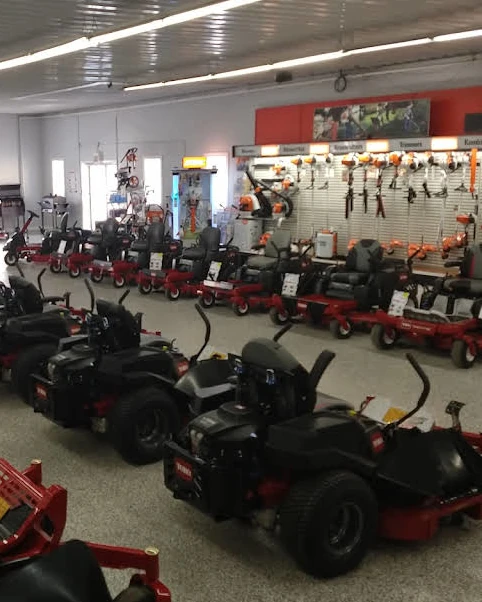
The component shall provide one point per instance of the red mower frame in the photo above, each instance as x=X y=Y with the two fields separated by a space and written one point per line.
x=463 y=337
x=49 y=506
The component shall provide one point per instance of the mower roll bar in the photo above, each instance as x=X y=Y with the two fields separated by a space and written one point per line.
x=207 y=335
x=425 y=392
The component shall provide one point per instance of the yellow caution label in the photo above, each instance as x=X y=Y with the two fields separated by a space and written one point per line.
x=4 y=507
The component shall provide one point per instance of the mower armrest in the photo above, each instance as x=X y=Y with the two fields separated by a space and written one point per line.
x=454 y=263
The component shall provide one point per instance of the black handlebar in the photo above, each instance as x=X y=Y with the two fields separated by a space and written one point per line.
x=207 y=335
x=20 y=271
x=91 y=293
x=425 y=392
x=33 y=214
x=123 y=298
x=282 y=332
x=39 y=281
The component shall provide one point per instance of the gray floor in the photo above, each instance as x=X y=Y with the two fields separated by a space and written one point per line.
x=112 y=502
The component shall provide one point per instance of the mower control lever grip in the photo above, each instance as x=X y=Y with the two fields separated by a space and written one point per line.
x=207 y=335
x=282 y=332
x=124 y=296
x=425 y=392
x=39 y=281
x=91 y=293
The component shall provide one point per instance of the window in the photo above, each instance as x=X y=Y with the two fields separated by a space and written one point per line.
x=98 y=182
x=153 y=180
x=58 y=177
x=219 y=192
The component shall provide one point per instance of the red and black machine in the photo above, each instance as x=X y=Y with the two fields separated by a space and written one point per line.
x=343 y=296
x=36 y=565
x=330 y=477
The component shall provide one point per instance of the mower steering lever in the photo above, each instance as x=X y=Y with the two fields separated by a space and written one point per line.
x=425 y=392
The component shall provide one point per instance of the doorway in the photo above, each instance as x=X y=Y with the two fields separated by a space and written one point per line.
x=98 y=183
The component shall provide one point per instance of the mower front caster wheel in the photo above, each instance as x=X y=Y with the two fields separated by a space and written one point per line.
x=145 y=288
x=383 y=338
x=241 y=309
x=207 y=301
x=462 y=355
x=75 y=272
x=11 y=259
x=173 y=294
x=140 y=422
x=328 y=523
x=96 y=277
x=277 y=317
x=119 y=281
x=55 y=268
x=341 y=331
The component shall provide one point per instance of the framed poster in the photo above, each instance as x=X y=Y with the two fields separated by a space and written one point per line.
x=398 y=119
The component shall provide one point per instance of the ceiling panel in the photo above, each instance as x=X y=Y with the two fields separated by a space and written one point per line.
x=267 y=31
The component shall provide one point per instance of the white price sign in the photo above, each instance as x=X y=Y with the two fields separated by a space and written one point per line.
x=398 y=303
x=290 y=285
x=214 y=270
x=156 y=261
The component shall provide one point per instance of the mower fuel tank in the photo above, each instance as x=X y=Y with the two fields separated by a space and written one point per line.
x=324 y=439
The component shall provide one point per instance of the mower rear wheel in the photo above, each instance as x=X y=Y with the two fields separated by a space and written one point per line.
x=56 y=267
x=11 y=259
x=241 y=309
x=173 y=294
x=97 y=277
x=462 y=355
x=340 y=331
x=328 y=523
x=136 y=593
x=277 y=317
x=383 y=338
x=30 y=361
x=207 y=300
x=140 y=422
x=145 y=288
x=119 y=281
x=74 y=272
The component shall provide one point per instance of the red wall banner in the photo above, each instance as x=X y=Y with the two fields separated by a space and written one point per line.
x=294 y=123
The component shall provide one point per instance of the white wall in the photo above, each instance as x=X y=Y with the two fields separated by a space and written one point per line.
x=32 y=165
x=9 y=150
x=211 y=124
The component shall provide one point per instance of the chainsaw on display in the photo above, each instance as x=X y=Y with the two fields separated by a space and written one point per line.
x=365 y=160
x=381 y=162
x=351 y=162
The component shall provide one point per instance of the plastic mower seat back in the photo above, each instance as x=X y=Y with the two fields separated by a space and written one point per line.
x=69 y=574
x=124 y=328
x=469 y=282
x=355 y=280
x=276 y=251
x=208 y=247
x=27 y=295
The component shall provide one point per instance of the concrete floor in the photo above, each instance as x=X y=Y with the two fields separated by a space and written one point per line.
x=114 y=503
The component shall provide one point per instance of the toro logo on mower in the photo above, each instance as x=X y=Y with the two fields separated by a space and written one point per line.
x=182 y=367
x=183 y=469
x=377 y=442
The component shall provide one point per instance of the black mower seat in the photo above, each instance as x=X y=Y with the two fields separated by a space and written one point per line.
x=27 y=294
x=463 y=286
x=69 y=574
x=351 y=278
x=94 y=239
x=268 y=354
x=50 y=322
x=140 y=246
x=261 y=262
x=469 y=282
x=195 y=253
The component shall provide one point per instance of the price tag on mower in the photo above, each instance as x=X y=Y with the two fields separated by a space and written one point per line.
x=398 y=303
x=214 y=270
x=290 y=285
x=156 y=261
x=4 y=507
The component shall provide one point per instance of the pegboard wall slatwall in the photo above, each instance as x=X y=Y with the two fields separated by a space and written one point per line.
x=425 y=220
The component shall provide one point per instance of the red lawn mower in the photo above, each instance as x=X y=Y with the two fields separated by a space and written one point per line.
x=18 y=247
x=342 y=297
x=35 y=565
x=112 y=257
x=329 y=476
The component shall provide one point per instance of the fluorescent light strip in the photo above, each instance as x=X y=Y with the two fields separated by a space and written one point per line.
x=84 y=42
x=462 y=35
x=308 y=60
x=190 y=15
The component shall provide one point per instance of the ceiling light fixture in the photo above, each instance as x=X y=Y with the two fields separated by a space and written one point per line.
x=190 y=15
x=461 y=35
x=85 y=43
x=43 y=55
x=392 y=46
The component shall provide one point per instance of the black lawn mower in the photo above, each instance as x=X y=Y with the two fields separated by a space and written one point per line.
x=328 y=476
x=113 y=382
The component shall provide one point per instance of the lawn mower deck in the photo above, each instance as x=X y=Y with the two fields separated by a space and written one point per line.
x=34 y=562
x=460 y=335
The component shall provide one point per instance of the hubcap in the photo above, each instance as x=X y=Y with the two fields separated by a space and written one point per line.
x=388 y=337
x=345 y=330
x=469 y=356
x=345 y=528
x=152 y=428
